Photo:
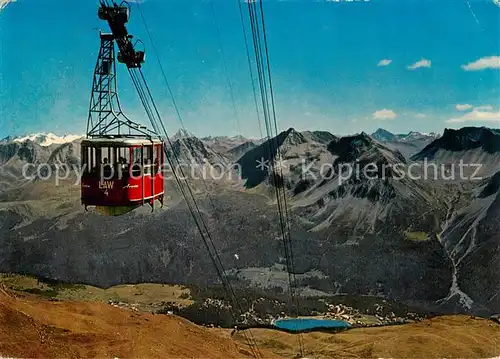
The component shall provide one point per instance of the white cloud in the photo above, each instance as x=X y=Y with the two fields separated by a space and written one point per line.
x=384 y=62
x=463 y=107
x=419 y=64
x=384 y=115
x=477 y=116
x=420 y=115
x=488 y=62
x=484 y=108
x=4 y=3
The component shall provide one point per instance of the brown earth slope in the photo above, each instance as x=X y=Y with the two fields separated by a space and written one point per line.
x=33 y=327
x=36 y=327
x=441 y=337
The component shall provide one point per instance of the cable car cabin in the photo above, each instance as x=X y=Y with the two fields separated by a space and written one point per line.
x=121 y=174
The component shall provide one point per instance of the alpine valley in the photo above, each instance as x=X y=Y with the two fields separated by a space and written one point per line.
x=428 y=240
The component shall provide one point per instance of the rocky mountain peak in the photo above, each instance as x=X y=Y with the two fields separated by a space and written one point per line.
x=464 y=139
x=471 y=137
x=181 y=134
x=492 y=186
x=26 y=151
x=383 y=135
x=193 y=150
x=292 y=137
x=363 y=148
x=323 y=137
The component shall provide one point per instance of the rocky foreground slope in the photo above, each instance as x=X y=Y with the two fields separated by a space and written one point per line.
x=34 y=327
x=31 y=327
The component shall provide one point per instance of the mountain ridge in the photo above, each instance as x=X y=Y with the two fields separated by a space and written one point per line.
x=384 y=135
x=408 y=144
x=463 y=139
x=43 y=139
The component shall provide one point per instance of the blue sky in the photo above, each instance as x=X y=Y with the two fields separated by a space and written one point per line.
x=326 y=62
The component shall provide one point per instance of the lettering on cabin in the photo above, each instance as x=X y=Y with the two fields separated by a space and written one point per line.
x=131 y=186
x=106 y=185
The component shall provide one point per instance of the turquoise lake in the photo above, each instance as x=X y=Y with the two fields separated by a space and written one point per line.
x=299 y=324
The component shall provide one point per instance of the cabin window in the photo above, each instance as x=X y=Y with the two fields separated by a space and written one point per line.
x=114 y=156
x=162 y=152
x=123 y=155
x=98 y=157
x=85 y=159
x=147 y=155
x=106 y=155
x=88 y=161
x=157 y=159
x=136 y=155
x=92 y=159
x=122 y=161
x=107 y=161
x=136 y=161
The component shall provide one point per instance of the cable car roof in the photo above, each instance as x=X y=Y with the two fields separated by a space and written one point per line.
x=120 y=142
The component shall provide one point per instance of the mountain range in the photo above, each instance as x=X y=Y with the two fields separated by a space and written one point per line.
x=42 y=139
x=408 y=144
x=393 y=232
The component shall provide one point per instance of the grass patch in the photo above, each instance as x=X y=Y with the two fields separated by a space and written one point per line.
x=48 y=293
x=275 y=344
x=417 y=236
x=148 y=297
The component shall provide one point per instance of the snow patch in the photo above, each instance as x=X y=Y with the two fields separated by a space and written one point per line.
x=46 y=139
x=3 y=4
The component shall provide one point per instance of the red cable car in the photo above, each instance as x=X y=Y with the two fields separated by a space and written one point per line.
x=122 y=161
x=121 y=174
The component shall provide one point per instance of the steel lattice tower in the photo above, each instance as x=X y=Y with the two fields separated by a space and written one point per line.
x=106 y=118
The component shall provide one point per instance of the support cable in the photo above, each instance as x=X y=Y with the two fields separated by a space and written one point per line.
x=179 y=117
x=250 y=68
x=202 y=227
x=224 y=63
x=273 y=147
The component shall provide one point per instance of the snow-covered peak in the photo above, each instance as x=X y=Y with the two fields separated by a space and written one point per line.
x=44 y=139
x=181 y=134
x=434 y=134
x=386 y=136
x=413 y=135
x=239 y=138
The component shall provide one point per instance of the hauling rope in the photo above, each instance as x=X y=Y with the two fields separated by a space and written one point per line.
x=129 y=56
x=267 y=97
